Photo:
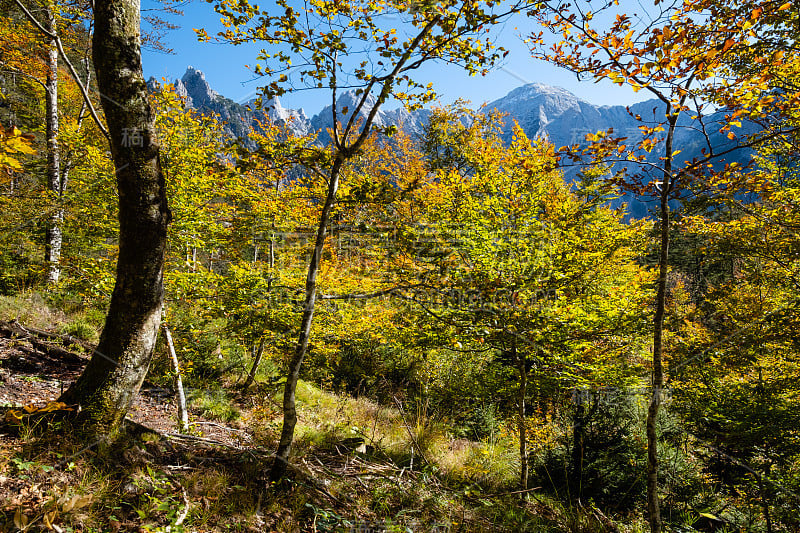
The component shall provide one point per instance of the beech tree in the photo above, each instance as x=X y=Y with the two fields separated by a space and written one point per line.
x=50 y=24
x=737 y=375
x=316 y=46
x=681 y=57
x=525 y=267
x=113 y=376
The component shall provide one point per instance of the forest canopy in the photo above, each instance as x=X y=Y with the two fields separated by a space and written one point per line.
x=453 y=325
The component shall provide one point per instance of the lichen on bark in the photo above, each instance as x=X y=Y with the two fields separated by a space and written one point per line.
x=118 y=367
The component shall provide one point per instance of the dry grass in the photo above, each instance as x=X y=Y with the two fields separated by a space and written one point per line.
x=403 y=436
x=31 y=309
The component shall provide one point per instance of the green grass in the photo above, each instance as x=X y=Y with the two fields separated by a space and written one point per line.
x=82 y=328
x=326 y=418
x=215 y=404
x=468 y=484
x=35 y=309
x=30 y=309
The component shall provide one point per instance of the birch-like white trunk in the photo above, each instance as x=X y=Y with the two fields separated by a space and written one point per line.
x=183 y=414
x=53 y=235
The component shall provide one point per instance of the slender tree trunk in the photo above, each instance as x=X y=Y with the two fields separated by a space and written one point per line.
x=251 y=377
x=523 y=427
x=53 y=236
x=115 y=373
x=183 y=414
x=289 y=411
x=653 y=506
x=577 y=446
x=765 y=499
x=271 y=262
x=342 y=154
x=271 y=259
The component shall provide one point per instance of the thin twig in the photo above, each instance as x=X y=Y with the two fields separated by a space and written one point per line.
x=185 y=511
x=220 y=426
x=410 y=434
x=180 y=436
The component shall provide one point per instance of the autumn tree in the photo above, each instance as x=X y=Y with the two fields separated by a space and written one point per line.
x=524 y=267
x=736 y=373
x=679 y=57
x=735 y=369
x=315 y=46
x=53 y=21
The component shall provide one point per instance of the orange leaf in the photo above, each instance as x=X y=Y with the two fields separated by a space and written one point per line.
x=728 y=44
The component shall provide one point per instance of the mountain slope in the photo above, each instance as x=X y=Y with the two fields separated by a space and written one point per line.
x=541 y=110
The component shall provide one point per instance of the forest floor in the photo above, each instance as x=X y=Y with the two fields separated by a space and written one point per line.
x=215 y=477
x=33 y=376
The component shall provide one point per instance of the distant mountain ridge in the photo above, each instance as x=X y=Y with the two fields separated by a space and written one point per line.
x=238 y=118
x=541 y=110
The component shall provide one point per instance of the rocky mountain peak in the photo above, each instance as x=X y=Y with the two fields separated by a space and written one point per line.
x=196 y=87
x=532 y=91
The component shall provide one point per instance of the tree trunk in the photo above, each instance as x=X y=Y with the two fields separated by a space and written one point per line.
x=289 y=411
x=271 y=262
x=343 y=152
x=523 y=428
x=765 y=498
x=251 y=377
x=653 y=506
x=53 y=237
x=578 y=421
x=183 y=414
x=115 y=373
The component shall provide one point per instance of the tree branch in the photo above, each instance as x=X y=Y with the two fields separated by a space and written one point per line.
x=72 y=70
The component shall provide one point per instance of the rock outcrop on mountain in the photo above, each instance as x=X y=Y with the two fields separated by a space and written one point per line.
x=239 y=118
x=411 y=122
x=564 y=119
x=561 y=117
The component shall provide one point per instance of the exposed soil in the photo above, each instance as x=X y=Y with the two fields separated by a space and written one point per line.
x=218 y=475
x=33 y=375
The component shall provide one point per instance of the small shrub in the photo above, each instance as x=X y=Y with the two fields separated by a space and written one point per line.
x=613 y=458
x=479 y=423
x=214 y=404
x=81 y=328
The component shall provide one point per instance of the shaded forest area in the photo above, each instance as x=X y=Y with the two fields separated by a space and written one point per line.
x=397 y=333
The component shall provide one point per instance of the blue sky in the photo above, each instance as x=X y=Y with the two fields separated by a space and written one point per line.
x=226 y=71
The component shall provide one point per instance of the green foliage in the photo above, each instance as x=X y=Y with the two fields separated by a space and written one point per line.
x=82 y=328
x=456 y=266
x=202 y=347
x=214 y=403
x=479 y=423
x=612 y=435
x=520 y=262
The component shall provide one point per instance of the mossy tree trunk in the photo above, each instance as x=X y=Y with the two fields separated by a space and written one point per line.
x=118 y=367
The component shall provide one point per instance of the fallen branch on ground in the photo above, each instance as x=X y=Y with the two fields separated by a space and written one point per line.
x=16 y=328
x=181 y=436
